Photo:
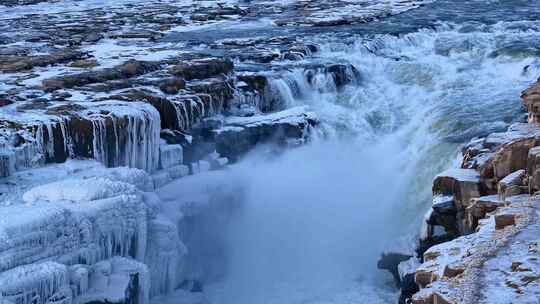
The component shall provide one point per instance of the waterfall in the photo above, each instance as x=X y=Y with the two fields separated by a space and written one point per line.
x=313 y=221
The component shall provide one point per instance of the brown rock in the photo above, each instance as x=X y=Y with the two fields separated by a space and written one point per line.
x=454 y=269
x=512 y=157
x=504 y=219
x=424 y=278
x=479 y=208
x=511 y=184
x=23 y=63
x=531 y=100
x=203 y=68
x=463 y=184
x=129 y=69
x=85 y=63
x=172 y=85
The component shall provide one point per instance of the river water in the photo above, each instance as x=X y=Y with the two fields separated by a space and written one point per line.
x=314 y=220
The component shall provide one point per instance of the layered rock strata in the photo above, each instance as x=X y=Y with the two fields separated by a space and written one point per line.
x=489 y=208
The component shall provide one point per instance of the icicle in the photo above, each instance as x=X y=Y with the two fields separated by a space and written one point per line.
x=67 y=144
x=7 y=162
x=99 y=141
x=165 y=255
x=34 y=283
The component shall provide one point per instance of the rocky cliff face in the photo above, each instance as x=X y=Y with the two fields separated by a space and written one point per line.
x=478 y=243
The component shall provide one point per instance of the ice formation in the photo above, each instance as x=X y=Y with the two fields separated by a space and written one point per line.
x=136 y=145
x=33 y=283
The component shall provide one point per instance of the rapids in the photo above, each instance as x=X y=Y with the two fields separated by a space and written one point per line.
x=311 y=223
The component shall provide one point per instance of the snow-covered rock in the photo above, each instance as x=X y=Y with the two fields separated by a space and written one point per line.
x=117 y=281
x=512 y=184
x=450 y=270
x=241 y=134
x=78 y=190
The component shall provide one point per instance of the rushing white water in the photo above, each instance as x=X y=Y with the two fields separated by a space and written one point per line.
x=314 y=220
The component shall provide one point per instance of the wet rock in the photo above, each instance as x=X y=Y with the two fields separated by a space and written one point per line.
x=462 y=185
x=342 y=74
x=256 y=82
x=202 y=68
x=390 y=261
x=407 y=270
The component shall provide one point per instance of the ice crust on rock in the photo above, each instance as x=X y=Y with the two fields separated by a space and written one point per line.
x=78 y=190
x=85 y=216
x=33 y=283
x=117 y=280
x=139 y=145
x=77 y=220
x=170 y=155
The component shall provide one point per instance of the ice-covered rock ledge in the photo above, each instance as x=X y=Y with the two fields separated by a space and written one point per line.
x=78 y=232
x=479 y=241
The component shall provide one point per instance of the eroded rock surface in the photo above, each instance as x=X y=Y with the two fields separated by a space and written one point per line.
x=491 y=210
